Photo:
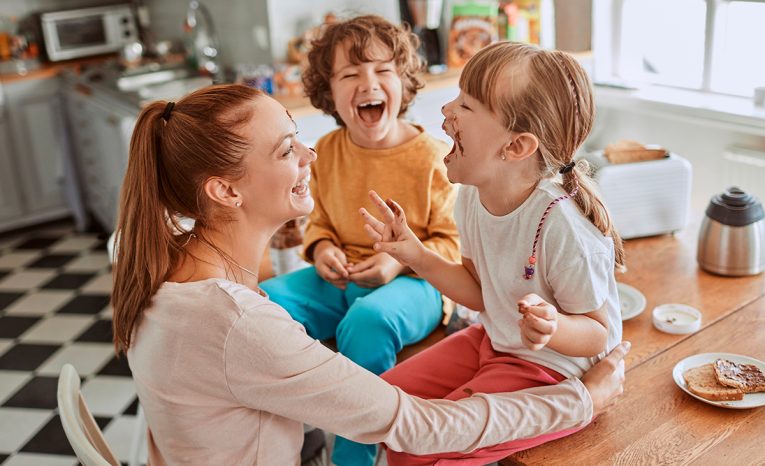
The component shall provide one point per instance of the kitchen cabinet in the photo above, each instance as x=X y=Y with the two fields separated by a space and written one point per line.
x=101 y=128
x=11 y=206
x=37 y=176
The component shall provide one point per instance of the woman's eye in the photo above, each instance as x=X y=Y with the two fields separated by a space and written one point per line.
x=464 y=106
x=349 y=76
x=384 y=70
x=289 y=151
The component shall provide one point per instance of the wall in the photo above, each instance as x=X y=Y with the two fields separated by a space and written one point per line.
x=20 y=8
x=290 y=18
x=242 y=26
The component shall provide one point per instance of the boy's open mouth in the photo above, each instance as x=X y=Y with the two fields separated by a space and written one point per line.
x=371 y=112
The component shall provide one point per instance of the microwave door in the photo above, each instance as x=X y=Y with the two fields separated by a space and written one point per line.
x=77 y=37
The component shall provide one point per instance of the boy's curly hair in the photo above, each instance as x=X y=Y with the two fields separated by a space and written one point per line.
x=360 y=32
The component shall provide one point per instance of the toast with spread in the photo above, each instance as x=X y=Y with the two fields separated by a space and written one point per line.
x=746 y=377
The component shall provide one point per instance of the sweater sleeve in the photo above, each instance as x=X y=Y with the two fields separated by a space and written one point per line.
x=272 y=365
x=319 y=226
x=442 y=231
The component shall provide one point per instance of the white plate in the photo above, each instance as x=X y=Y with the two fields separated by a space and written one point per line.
x=631 y=301
x=751 y=400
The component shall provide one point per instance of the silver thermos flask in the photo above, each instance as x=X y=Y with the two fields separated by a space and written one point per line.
x=732 y=236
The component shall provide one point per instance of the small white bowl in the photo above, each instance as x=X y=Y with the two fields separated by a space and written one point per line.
x=677 y=319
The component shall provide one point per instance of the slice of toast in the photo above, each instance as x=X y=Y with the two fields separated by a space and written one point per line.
x=703 y=382
x=746 y=377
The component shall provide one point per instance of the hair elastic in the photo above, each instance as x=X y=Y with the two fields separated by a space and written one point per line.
x=567 y=168
x=528 y=270
x=168 y=109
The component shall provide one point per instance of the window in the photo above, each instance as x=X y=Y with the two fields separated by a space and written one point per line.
x=708 y=45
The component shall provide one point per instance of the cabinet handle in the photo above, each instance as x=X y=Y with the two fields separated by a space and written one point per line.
x=83 y=89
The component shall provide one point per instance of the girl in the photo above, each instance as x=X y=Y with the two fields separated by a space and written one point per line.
x=538 y=251
x=225 y=376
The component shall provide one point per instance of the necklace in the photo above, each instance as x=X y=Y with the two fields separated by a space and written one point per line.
x=232 y=261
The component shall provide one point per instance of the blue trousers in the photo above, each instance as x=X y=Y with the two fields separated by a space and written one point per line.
x=370 y=325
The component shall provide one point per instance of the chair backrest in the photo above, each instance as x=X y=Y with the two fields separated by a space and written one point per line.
x=81 y=429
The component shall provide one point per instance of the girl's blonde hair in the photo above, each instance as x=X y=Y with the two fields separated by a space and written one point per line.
x=548 y=94
x=173 y=151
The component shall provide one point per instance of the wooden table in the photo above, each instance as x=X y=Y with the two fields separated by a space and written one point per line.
x=654 y=422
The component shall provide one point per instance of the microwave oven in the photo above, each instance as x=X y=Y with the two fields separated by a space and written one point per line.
x=87 y=31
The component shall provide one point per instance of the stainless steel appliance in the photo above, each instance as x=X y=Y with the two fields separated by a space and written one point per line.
x=87 y=31
x=425 y=18
x=732 y=236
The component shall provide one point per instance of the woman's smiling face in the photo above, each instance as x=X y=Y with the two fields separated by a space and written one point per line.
x=275 y=186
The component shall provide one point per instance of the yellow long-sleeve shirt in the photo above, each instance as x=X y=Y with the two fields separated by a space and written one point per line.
x=413 y=174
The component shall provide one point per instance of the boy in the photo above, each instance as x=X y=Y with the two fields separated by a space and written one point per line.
x=363 y=72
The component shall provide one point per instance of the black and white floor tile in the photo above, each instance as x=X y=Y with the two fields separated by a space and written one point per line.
x=54 y=309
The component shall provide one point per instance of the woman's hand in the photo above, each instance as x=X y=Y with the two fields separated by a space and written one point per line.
x=539 y=322
x=392 y=235
x=605 y=381
x=378 y=270
x=331 y=263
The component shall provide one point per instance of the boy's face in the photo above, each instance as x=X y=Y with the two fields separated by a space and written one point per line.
x=478 y=138
x=367 y=96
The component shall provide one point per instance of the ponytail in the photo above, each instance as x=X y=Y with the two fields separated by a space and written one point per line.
x=175 y=148
x=144 y=246
x=592 y=206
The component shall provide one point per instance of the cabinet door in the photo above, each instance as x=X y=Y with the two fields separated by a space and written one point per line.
x=39 y=142
x=113 y=129
x=10 y=202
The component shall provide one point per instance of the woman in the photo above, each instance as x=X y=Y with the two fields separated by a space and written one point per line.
x=224 y=375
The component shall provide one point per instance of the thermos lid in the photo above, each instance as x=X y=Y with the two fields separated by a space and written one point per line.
x=735 y=208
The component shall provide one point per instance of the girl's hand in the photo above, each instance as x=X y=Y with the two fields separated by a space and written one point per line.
x=392 y=235
x=375 y=271
x=330 y=262
x=605 y=381
x=539 y=322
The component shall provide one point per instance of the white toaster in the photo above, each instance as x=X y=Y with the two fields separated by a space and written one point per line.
x=644 y=198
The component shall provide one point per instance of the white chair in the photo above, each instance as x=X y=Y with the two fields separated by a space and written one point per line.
x=80 y=428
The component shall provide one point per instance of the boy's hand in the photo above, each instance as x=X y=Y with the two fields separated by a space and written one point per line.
x=539 y=322
x=392 y=235
x=375 y=271
x=330 y=262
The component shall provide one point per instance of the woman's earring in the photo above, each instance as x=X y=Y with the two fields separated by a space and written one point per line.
x=503 y=157
x=238 y=203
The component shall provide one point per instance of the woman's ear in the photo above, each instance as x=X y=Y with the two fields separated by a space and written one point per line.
x=520 y=146
x=222 y=192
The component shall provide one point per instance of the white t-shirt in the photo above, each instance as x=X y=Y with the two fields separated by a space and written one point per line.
x=574 y=269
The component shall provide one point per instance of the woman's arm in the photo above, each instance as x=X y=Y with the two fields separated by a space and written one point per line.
x=273 y=366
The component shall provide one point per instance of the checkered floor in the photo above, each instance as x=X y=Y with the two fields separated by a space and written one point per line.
x=54 y=309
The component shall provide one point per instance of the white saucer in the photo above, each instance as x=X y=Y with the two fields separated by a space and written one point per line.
x=631 y=300
x=751 y=400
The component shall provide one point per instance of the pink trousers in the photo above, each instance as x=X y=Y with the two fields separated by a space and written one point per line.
x=458 y=366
